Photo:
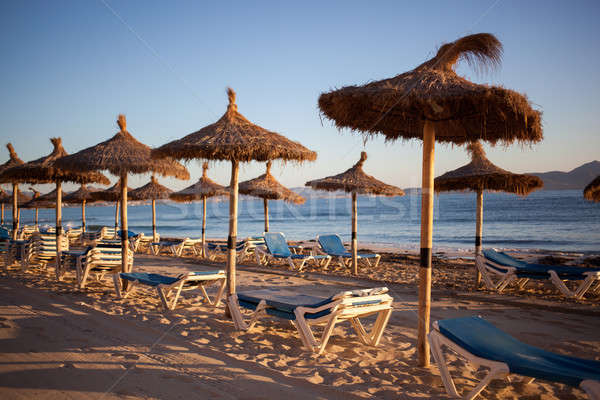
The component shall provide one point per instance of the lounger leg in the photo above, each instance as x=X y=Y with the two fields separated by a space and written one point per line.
x=380 y=324
x=84 y=277
x=577 y=294
x=117 y=283
x=585 y=285
x=377 y=259
x=326 y=333
x=220 y=293
x=163 y=297
x=205 y=295
x=360 y=331
x=303 y=338
x=236 y=315
x=176 y=297
x=440 y=360
x=130 y=289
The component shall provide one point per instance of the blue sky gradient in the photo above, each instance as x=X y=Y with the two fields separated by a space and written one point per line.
x=69 y=67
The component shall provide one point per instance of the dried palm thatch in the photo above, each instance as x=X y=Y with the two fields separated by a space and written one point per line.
x=13 y=161
x=267 y=187
x=592 y=191
x=45 y=170
x=83 y=194
x=120 y=155
x=461 y=111
x=201 y=190
x=234 y=138
x=47 y=200
x=431 y=103
x=480 y=174
x=205 y=187
x=22 y=198
x=150 y=191
x=113 y=193
x=354 y=180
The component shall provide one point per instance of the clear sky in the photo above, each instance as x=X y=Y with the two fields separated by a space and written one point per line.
x=69 y=67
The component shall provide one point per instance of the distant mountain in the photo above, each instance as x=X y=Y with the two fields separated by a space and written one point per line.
x=575 y=179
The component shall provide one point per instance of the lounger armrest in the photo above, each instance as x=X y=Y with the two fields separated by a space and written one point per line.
x=313 y=310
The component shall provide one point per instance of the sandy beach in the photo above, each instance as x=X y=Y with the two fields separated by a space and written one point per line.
x=60 y=342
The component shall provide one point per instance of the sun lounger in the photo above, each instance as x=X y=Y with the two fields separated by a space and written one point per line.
x=143 y=243
x=333 y=246
x=168 y=286
x=243 y=248
x=169 y=246
x=507 y=269
x=276 y=247
x=304 y=310
x=483 y=344
x=41 y=250
x=26 y=232
x=74 y=234
x=101 y=260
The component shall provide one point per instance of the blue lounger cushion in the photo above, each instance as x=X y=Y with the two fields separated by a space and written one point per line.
x=484 y=340
x=531 y=270
x=332 y=245
x=158 y=279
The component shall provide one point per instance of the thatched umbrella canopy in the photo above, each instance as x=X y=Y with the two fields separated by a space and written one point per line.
x=113 y=193
x=45 y=170
x=201 y=190
x=592 y=191
x=82 y=196
x=120 y=155
x=36 y=194
x=433 y=103
x=151 y=191
x=13 y=161
x=267 y=188
x=355 y=181
x=235 y=139
x=479 y=175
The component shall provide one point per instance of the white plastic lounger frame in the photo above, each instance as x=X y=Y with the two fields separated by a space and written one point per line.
x=102 y=261
x=488 y=268
x=263 y=256
x=498 y=370
x=342 y=309
x=579 y=292
x=185 y=282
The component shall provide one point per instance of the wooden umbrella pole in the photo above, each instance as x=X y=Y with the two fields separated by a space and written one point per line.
x=354 y=238
x=116 y=217
x=83 y=216
x=266 y=204
x=2 y=215
x=231 y=240
x=203 y=226
x=154 y=220
x=478 y=232
x=36 y=217
x=124 y=229
x=15 y=212
x=426 y=243
x=58 y=225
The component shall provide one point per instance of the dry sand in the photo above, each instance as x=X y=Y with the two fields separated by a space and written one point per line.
x=59 y=342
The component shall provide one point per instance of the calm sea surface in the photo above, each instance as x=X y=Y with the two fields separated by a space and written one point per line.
x=554 y=220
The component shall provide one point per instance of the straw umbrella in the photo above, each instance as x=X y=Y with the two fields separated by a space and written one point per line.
x=433 y=103
x=121 y=155
x=13 y=161
x=82 y=196
x=355 y=181
x=36 y=194
x=267 y=188
x=22 y=198
x=151 y=191
x=113 y=193
x=479 y=175
x=201 y=190
x=233 y=138
x=592 y=191
x=46 y=170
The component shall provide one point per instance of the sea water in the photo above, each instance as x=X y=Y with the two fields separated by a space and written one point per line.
x=553 y=220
